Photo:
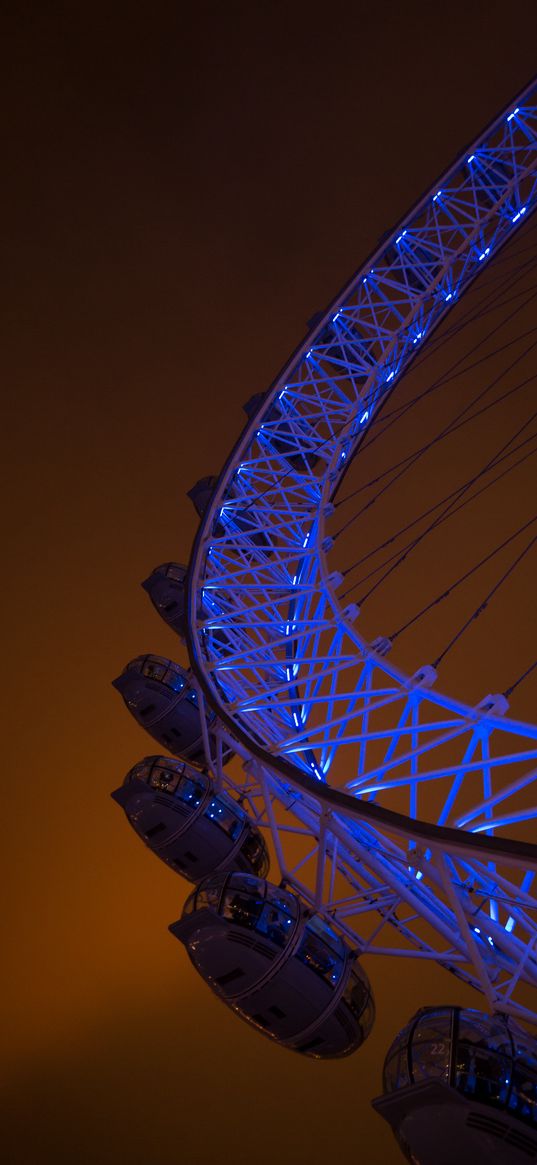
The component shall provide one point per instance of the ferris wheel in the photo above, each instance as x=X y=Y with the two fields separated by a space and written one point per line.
x=401 y=820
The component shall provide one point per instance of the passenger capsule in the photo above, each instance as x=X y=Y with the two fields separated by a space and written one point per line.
x=175 y=810
x=201 y=493
x=234 y=517
x=461 y=1087
x=279 y=967
x=160 y=695
x=166 y=589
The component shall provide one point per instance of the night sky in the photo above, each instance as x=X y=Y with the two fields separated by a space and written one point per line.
x=185 y=188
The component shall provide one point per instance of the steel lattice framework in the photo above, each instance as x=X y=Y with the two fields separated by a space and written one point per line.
x=404 y=800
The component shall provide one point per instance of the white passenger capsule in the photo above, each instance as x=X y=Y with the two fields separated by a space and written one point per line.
x=175 y=810
x=460 y=1087
x=278 y=966
x=166 y=589
x=160 y=695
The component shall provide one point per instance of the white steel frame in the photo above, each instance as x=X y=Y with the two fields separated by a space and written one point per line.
x=328 y=728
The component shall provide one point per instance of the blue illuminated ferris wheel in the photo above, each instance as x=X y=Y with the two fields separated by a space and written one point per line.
x=401 y=820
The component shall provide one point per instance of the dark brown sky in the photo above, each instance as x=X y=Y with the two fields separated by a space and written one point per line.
x=185 y=187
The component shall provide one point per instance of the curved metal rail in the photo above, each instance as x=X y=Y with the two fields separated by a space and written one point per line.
x=281 y=660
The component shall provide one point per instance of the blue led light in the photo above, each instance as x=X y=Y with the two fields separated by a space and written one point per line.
x=484 y=254
x=471 y=158
x=437 y=195
x=390 y=377
x=477 y=930
x=417 y=337
x=517 y=216
x=336 y=317
x=449 y=296
x=308 y=354
x=401 y=236
x=511 y=115
x=283 y=392
x=364 y=417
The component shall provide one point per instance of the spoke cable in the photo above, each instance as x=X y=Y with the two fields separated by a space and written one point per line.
x=518 y=681
x=460 y=493
x=455 y=423
x=462 y=578
x=425 y=513
x=453 y=428
x=482 y=606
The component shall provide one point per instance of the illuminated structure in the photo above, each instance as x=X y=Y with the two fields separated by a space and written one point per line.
x=461 y=1086
x=389 y=806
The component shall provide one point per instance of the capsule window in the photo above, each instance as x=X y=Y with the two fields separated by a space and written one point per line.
x=328 y=936
x=276 y=923
x=318 y=956
x=356 y=995
x=191 y=792
x=175 y=572
x=164 y=779
x=523 y=1098
x=224 y=816
x=254 y=850
x=431 y=1047
x=174 y=680
x=242 y=907
x=154 y=671
x=208 y=895
x=396 y=1073
x=483 y=1069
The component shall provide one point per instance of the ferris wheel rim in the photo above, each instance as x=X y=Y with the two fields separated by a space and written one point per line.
x=346 y=803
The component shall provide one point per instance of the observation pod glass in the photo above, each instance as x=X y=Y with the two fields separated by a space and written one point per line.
x=451 y=1064
x=283 y=970
x=160 y=695
x=175 y=810
x=166 y=589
